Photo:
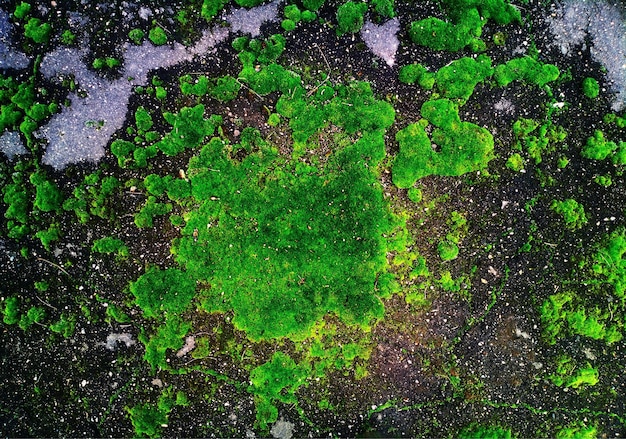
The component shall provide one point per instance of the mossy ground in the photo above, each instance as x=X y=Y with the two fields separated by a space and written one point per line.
x=289 y=229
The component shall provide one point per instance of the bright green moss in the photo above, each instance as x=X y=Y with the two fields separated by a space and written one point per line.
x=578 y=432
x=109 y=244
x=458 y=79
x=597 y=147
x=308 y=16
x=384 y=8
x=292 y=12
x=288 y=25
x=536 y=139
x=410 y=164
x=35 y=314
x=610 y=264
x=415 y=195
x=17 y=200
x=189 y=129
x=147 y=420
x=48 y=197
x=143 y=120
x=525 y=69
x=476 y=431
x=441 y=35
x=224 y=89
x=11 y=310
x=413 y=73
x=515 y=162
x=603 y=180
x=37 y=31
x=313 y=5
x=573 y=213
x=22 y=10
x=447 y=250
x=276 y=381
x=158 y=36
x=64 y=326
x=350 y=17
x=48 y=236
x=591 y=88
x=210 y=8
x=145 y=217
x=168 y=291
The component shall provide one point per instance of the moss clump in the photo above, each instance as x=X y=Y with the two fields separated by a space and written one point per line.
x=441 y=35
x=464 y=147
x=526 y=69
x=48 y=197
x=515 y=162
x=572 y=212
x=447 y=250
x=109 y=245
x=477 y=431
x=276 y=381
x=598 y=147
x=158 y=36
x=413 y=73
x=136 y=36
x=11 y=310
x=163 y=291
x=577 y=432
x=47 y=237
x=37 y=31
x=591 y=88
x=610 y=264
x=350 y=17
x=458 y=79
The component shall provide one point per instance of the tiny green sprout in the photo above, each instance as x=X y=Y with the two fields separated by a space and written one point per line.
x=603 y=180
x=37 y=31
x=591 y=88
x=22 y=10
x=42 y=286
x=562 y=162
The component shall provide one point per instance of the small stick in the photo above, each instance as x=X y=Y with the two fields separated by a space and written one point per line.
x=46 y=303
x=54 y=265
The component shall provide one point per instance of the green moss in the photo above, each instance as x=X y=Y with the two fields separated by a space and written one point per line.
x=577 y=432
x=526 y=69
x=64 y=326
x=313 y=5
x=591 y=88
x=308 y=16
x=609 y=262
x=136 y=36
x=11 y=310
x=37 y=31
x=597 y=147
x=159 y=292
x=415 y=195
x=275 y=381
x=210 y=8
x=168 y=336
x=458 y=79
x=35 y=314
x=48 y=197
x=537 y=139
x=109 y=245
x=413 y=73
x=147 y=420
x=48 y=236
x=350 y=16
x=515 y=162
x=292 y=12
x=224 y=89
x=143 y=120
x=447 y=250
x=572 y=212
x=158 y=36
x=603 y=180
x=477 y=431
x=384 y=8
x=189 y=129
x=22 y=10
x=288 y=25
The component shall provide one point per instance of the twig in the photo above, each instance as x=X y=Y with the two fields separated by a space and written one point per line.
x=46 y=303
x=244 y=85
x=327 y=74
x=54 y=265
